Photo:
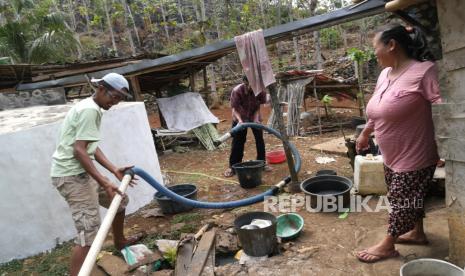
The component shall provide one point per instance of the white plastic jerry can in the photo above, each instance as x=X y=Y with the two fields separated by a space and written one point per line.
x=369 y=175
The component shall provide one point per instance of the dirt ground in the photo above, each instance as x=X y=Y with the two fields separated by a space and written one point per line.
x=325 y=247
x=327 y=241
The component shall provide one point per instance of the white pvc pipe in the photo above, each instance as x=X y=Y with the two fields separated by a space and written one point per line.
x=401 y=4
x=91 y=257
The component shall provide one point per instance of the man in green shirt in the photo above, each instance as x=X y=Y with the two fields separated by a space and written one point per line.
x=75 y=175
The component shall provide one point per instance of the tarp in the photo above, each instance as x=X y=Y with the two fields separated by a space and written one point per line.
x=185 y=111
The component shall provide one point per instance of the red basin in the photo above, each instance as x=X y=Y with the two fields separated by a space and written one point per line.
x=275 y=156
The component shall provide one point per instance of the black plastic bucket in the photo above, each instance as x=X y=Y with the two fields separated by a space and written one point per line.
x=169 y=206
x=326 y=172
x=324 y=188
x=249 y=173
x=257 y=242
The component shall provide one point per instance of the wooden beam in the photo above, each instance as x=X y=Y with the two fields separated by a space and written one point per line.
x=136 y=89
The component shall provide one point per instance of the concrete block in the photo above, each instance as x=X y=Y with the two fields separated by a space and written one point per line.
x=34 y=216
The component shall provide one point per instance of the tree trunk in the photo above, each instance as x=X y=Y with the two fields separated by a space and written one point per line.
x=136 y=31
x=84 y=2
x=278 y=44
x=179 y=5
x=363 y=31
x=72 y=15
x=344 y=38
x=262 y=11
x=294 y=39
x=110 y=27
x=197 y=11
x=127 y=29
x=202 y=10
x=163 y=14
x=74 y=26
x=317 y=41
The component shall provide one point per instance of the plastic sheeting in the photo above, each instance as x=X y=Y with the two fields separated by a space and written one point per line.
x=185 y=111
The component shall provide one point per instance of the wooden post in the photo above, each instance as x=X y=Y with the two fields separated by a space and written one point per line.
x=205 y=81
x=160 y=115
x=294 y=186
x=192 y=80
x=317 y=107
x=136 y=89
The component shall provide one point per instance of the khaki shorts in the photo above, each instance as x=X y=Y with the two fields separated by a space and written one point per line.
x=84 y=195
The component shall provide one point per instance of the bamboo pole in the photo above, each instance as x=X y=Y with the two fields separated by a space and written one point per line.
x=91 y=257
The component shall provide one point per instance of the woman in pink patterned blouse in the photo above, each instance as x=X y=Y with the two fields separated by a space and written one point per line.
x=399 y=114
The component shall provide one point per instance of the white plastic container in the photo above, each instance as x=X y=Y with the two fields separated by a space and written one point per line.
x=369 y=175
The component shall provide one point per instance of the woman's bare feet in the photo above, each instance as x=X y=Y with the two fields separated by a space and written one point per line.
x=383 y=250
x=413 y=237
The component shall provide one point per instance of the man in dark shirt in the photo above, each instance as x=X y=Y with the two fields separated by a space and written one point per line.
x=245 y=108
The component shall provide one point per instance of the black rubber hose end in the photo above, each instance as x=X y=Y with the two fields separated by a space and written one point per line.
x=130 y=172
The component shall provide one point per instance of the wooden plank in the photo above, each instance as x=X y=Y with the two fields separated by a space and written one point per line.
x=209 y=269
x=201 y=253
x=184 y=257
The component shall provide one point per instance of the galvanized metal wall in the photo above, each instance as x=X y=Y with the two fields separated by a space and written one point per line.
x=450 y=120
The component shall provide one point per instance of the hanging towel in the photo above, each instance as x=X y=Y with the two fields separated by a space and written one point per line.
x=254 y=59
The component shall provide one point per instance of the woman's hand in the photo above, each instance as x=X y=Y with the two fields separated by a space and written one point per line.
x=361 y=143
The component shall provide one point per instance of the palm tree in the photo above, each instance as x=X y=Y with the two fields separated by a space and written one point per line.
x=30 y=37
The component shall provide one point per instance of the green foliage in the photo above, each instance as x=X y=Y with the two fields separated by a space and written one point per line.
x=331 y=37
x=90 y=47
x=170 y=256
x=82 y=10
x=327 y=100
x=5 y=60
x=359 y=55
x=55 y=262
x=37 y=35
x=97 y=20
x=13 y=266
x=151 y=240
x=189 y=217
